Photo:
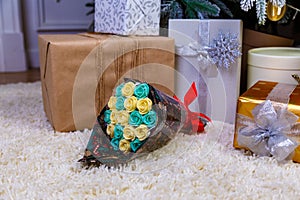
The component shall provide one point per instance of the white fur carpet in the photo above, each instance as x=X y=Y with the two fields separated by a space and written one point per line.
x=39 y=163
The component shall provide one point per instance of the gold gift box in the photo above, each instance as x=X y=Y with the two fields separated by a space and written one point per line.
x=80 y=71
x=257 y=94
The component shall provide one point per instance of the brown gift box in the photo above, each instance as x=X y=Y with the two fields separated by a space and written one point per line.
x=80 y=71
x=257 y=94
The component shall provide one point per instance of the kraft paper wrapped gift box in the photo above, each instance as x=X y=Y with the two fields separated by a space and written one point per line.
x=127 y=17
x=218 y=84
x=79 y=72
x=280 y=95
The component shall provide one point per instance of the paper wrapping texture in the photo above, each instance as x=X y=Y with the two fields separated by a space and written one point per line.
x=257 y=94
x=79 y=72
x=127 y=17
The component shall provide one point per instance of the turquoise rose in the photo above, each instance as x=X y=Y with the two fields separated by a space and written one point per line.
x=135 y=118
x=141 y=90
x=118 y=131
x=119 y=90
x=150 y=118
x=107 y=116
x=136 y=144
x=115 y=143
x=120 y=103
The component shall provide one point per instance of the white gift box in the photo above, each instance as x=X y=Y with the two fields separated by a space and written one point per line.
x=217 y=84
x=127 y=17
x=277 y=64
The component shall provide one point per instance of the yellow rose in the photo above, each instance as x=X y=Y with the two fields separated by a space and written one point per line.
x=128 y=89
x=142 y=132
x=122 y=117
x=144 y=105
x=110 y=130
x=112 y=102
x=130 y=103
x=124 y=145
x=129 y=133
x=113 y=116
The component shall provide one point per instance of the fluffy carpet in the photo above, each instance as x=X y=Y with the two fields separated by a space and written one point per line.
x=39 y=163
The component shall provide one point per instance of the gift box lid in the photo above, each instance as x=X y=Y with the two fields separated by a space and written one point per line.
x=261 y=90
x=127 y=17
x=278 y=58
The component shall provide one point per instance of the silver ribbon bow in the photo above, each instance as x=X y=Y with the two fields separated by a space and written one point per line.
x=266 y=134
x=221 y=52
x=194 y=49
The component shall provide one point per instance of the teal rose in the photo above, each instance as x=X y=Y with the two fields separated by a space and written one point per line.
x=115 y=143
x=136 y=144
x=119 y=90
x=135 y=118
x=118 y=131
x=120 y=103
x=107 y=116
x=141 y=90
x=150 y=119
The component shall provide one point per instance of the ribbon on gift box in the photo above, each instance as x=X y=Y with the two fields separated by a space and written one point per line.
x=266 y=134
x=222 y=52
x=196 y=119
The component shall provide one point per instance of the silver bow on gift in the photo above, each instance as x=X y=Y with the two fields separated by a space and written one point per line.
x=223 y=51
x=194 y=49
x=266 y=134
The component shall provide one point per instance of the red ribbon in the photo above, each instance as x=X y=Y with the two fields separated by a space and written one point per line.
x=193 y=118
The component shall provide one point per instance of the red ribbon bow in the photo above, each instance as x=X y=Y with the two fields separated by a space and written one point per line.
x=193 y=118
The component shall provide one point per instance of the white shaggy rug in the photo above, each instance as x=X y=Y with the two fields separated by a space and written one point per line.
x=39 y=163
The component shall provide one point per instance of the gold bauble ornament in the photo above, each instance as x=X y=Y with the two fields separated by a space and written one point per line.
x=274 y=12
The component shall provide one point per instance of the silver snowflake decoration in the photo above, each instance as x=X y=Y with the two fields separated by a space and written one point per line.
x=224 y=50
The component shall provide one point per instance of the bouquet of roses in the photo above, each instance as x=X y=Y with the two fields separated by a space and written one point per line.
x=139 y=119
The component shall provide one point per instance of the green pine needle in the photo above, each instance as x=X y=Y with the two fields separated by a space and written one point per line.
x=194 y=7
x=223 y=7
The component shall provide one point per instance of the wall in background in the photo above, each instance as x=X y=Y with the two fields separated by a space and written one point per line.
x=50 y=17
x=12 y=52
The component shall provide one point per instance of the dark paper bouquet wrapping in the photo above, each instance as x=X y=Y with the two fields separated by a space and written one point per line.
x=139 y=119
